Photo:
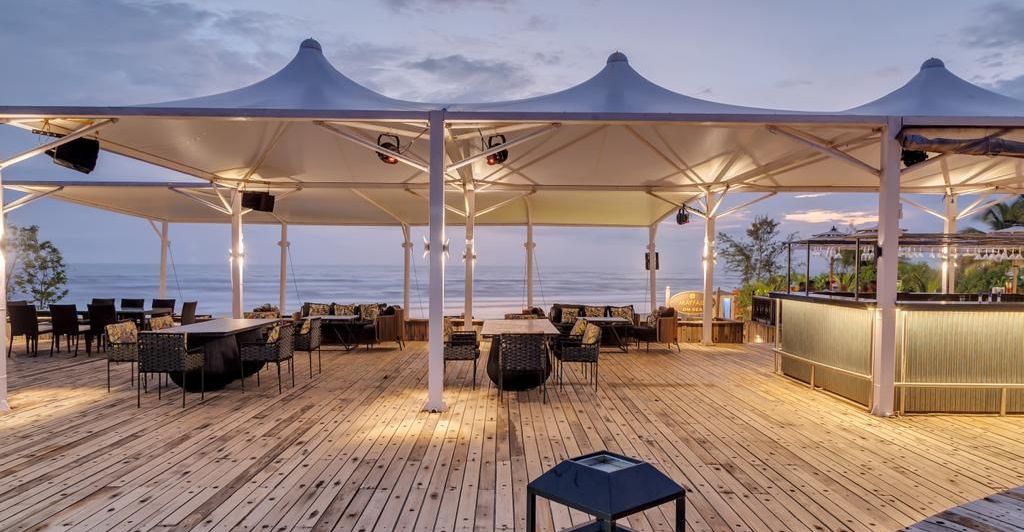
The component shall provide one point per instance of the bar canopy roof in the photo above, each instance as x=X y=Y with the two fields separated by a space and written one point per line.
x=614 y=150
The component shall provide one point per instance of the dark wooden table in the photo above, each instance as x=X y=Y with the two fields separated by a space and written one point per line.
x=220 y=339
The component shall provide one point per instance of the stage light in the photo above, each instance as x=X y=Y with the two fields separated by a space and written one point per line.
x=498 y=157
x=391 y=144
x=682 y=217
x=912 y=157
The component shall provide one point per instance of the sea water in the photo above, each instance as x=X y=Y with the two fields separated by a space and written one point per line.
x=497 y=289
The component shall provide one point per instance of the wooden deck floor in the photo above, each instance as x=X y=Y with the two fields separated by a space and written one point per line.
x=352 y=449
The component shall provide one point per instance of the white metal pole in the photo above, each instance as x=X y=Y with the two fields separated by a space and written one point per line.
x=948 y=264
x=709 y=272
x=435 y=364
x=652 y=234
x=467 y=309
x=407 y=251
x=883 y=361
x=529 y=260
x=237 y=254
x=4 y=406
x=165 y=243
x=282 y=288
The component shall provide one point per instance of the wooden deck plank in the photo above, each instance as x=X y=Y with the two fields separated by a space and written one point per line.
x=352 y=448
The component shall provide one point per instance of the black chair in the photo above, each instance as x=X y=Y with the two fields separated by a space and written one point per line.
x=122 y=346
x=308 y=339
x=168 y=353
x=99 y=317
x=277 y=347
x=25 y=322
x=522 y=353
x=462 y=345
x=99 y=301
x=133 y=303
x=17 y=302
x=585 y=350
x=188 y=312
x=64 y=321
x=165 y=303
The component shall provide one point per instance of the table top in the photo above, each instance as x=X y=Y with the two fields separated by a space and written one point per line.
x=220 y=326
x=334 y=317
x=141 y=310
x=606 y=320
x=539 y=326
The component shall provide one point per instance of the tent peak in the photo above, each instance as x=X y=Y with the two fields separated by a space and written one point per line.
x=934 y=62
x=312 y=44
x=618 y=57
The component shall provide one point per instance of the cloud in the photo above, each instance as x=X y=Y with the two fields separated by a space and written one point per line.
x=814 y=195
x=792 y=83
x=1002 y=27
x=1011 y=86
x=818 y=216
x=424 y=5
x=461 y=78
x=539 y=23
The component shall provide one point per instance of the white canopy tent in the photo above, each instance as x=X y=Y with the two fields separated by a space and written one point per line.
x=615 y=150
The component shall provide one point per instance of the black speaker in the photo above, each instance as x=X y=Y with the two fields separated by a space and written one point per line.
x=78 y=154
x=258 y=201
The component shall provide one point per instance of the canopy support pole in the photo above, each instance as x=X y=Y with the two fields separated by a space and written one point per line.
x=407 y=252
x=949 y=227
x=435 y=357
x=29 y=198
x=4 y=406
x=237 y=254
x=282 y=288
x=470 y=255
x=883 y=351
x=76 y=134
x=708 y=264
x=529 y=254
x=652 y=235
x=165 y=244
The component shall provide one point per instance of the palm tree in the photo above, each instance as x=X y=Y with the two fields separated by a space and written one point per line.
x=1004 y=215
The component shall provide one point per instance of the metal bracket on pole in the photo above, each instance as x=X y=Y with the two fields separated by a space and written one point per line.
x=76 y=134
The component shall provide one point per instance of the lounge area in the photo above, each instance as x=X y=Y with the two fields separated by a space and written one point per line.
x=354 y=449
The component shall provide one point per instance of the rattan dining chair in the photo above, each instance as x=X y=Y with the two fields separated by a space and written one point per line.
x=462 y=345
x=102 y=301
x=522 y=353
x=583 y=349
x=64 y=320
x=133 y=303
x=308 y=339
x=276 y=347
x=165 y=303
x=25 y=322
x=188 y=312
x=100 y=315
x=122 y=346
x=168 y=353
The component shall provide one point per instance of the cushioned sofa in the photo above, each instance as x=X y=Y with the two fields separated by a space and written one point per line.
x=374 y=322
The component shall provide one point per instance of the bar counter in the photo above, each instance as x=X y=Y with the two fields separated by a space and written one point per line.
x=954 y=354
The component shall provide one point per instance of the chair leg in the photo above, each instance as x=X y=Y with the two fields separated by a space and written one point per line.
x=279 y=378
x=183 y=388
x=474 y=373
x=131 y=377
x=291 y=369
x=310 y=365
x=202 y=381
x=258 y=376
x=319 y=361
x=138 y=394
x=159 y=385
x=53 y=338
x=108 y=375
x=241 y=373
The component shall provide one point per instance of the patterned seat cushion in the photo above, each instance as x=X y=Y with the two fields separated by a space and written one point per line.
x=578 y=328
x=157 y=323
x=592 y=334
x=344 y=310
x=275 y=332
x=593 y=312
x=307 y=325
x=262 y=315
x=569 y=315
x=124 y=332
x=652 y=319
x=318 y=309
x=623 y=312
x=369 y=312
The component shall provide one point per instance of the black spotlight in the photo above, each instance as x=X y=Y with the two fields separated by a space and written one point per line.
x=391 y=144
x=682 y=217
x=499 y=156
x=912 y=157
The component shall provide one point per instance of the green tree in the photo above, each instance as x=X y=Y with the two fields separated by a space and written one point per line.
x=1005 y=215
x=755 y=258
x=918 y=277
x=980 y=275
x=35 y=268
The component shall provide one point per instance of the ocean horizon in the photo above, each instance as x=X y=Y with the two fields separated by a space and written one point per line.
x=497 y=289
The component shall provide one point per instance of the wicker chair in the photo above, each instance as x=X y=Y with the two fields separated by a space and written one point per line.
x=25 y=322
x=583 y=349
x=277 y=347
x=660 y=327
x=122 y=346
x=462 y=345
x=165 y=303
x=100 y=315
x=308 y=339
x=133 y=303
x=522 y=353
x=169 y=353
x=391 y=327
x=64 y=320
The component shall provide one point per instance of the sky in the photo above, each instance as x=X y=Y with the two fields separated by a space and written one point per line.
x=808 y=55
